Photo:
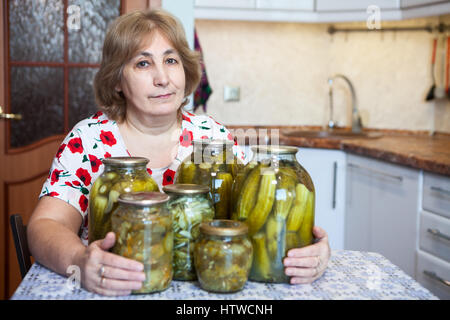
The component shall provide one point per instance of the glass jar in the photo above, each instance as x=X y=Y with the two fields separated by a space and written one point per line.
x=143 y=228
x=121 y=175
x=190 y=205
x=223 y=256
x=277 y=201
x=212 y=163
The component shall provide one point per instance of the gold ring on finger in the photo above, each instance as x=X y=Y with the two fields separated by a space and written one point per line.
x=101 y=271
x=102 y=281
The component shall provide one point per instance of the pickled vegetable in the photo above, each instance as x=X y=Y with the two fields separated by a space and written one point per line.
x=212 y=164
x=105 y=192
x=223 y=264
x=247 y=197
x=145 y=236
x=222 y=190
x=276 y=200
x=188 y=212
x=298 y=210
x=264 y=202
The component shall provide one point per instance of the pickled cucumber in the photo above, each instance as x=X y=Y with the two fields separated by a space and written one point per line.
x=298 y=210
x=266 y=197
x=305 y=232
x=247 y=197
x=222 y=194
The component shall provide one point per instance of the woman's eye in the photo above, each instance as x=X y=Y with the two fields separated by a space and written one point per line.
x=142 y=64
x=171 y=61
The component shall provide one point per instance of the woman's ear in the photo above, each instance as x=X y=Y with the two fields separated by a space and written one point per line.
x=118 y=88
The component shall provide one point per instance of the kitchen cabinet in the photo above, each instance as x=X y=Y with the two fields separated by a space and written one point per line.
x=320 y=11
x=382 y=206
x=327 y=170
x=433 y=253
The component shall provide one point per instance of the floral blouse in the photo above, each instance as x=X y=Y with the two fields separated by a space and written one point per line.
x=77 y=163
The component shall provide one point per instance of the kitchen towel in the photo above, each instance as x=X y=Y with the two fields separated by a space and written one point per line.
x=203 y=90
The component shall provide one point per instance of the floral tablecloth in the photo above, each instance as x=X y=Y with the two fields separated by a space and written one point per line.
x=350 y=275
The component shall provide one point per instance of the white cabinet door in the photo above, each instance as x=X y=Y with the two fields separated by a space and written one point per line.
x=383 y=199
x=327 y=170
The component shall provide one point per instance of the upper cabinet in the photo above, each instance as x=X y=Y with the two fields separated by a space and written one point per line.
x=320 y=11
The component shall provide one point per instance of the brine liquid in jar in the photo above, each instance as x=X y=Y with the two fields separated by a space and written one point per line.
x=143 y=228
x=190 y=205
x=223 y=256
x=121 y=175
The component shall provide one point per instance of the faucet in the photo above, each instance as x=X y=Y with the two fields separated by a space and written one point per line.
x=356 y=118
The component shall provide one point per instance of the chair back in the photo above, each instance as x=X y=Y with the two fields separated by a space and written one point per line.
x=19 y=233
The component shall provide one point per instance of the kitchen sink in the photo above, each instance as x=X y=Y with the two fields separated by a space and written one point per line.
x=332 y=134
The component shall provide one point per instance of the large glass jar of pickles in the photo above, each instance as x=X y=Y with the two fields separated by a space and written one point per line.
x=121 y=175
x=276 y=200
x=213 y=164
x=223 y=256
x=143 y=228
x=190 y=205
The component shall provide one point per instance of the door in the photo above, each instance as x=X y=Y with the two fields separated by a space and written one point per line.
x=49 y=56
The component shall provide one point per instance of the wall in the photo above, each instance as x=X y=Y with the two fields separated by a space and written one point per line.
x=282 y=71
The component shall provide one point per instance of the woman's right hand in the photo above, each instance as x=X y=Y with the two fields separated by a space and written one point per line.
x=106 y=273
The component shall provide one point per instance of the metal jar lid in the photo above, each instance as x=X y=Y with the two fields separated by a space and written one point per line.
x=274 y=149
x=143 y=198
x=125 y=161
x=224 y=228
x=214 y=142
x=185 y=188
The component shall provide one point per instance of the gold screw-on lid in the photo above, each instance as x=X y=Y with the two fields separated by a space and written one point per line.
x=224 y=228
x=125 y=161
x=214 y=142
x=185 y=188
x=143 y=198
x=274 y=149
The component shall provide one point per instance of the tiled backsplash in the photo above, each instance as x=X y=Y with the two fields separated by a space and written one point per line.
x=282 y=71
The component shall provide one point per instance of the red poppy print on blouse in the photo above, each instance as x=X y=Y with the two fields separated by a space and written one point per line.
x=84 y=176
x=95 y=163
x=60 y=151
x=83 y=202
x=108 y=138
x=75 y=145
x=55 y=176
x=97 y=115
x=186 y=138
x=168 y=177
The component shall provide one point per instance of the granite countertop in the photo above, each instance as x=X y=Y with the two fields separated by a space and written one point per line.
x=349 y=275
x=414 y=149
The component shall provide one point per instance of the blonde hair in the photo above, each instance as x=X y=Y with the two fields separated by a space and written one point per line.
x=124 y=38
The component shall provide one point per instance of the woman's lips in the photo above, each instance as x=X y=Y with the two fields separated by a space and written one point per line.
x=162 y=96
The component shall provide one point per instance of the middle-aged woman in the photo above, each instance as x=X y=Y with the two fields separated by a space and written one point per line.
x=146 y=74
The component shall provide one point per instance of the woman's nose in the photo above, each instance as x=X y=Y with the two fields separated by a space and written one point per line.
x=161 y=78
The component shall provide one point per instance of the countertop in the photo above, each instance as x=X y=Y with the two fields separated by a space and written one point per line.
x=414 y=149
x=350 y=275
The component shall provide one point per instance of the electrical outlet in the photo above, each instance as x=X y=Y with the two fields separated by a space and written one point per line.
x=231 y=93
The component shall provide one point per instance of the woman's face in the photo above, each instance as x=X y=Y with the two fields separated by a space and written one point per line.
x=153 y=81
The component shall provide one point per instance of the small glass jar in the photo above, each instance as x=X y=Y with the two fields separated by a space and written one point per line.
x=212 y=163
x=190 y=205
x=143 y=228
x=121 y=175
x=277 y=202
x=223 y=256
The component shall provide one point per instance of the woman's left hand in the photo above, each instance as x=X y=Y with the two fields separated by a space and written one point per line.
x=304 y=265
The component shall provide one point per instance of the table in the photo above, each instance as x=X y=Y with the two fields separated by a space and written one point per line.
x=350 y=275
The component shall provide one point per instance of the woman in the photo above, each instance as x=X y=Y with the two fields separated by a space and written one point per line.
x=147 y=71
